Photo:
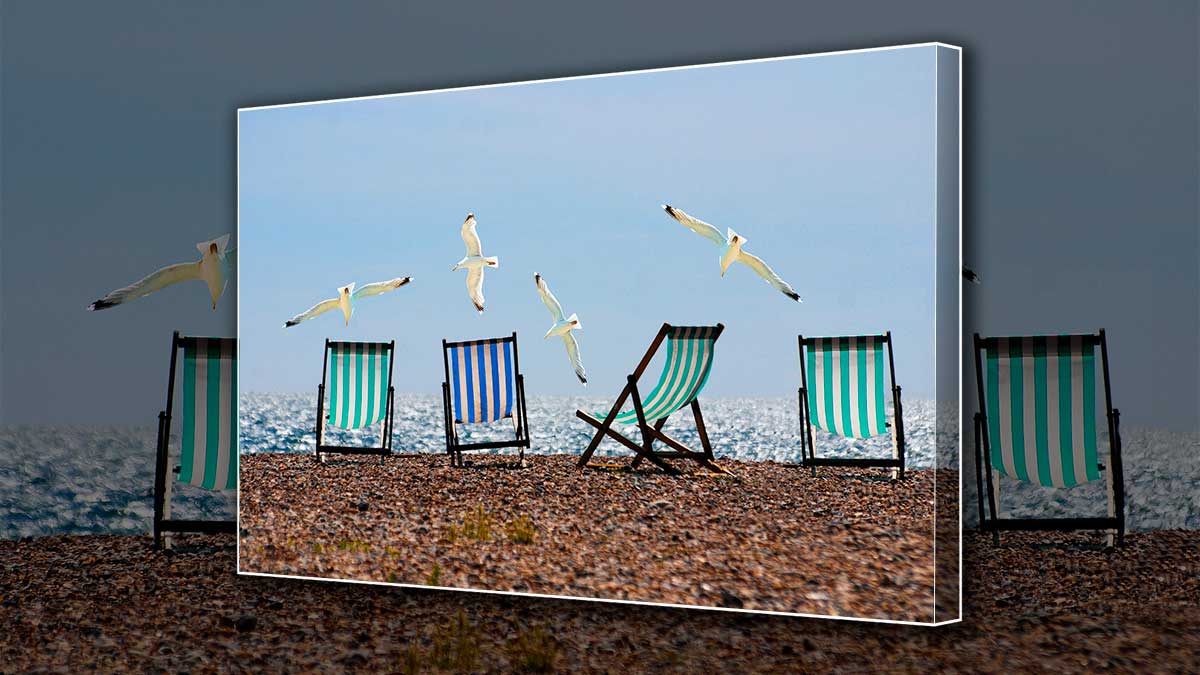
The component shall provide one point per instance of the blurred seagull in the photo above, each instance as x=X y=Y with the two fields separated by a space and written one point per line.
x=215 y=267
x=346 y=298
x=969 y=275
x=731 y=251
x=474 y=262
x=562 y=327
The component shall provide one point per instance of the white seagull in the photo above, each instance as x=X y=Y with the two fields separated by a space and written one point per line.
x=346 y=298
x=731 y=250
x=474 y=262
x=215 y=267
x=562 y=327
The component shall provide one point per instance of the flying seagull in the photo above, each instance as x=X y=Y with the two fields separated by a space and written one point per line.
x=969 y=275
x=731 y=250
x=474 y=262
x=215 y=267
x=562 y=327
x=346 y=298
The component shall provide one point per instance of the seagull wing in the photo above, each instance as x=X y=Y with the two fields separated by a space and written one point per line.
x=381 y=287
x=316 y=310
x=475 y=287
x=171 y=274
x=573 y=353
x=471 y=237
x=548 y=298
x=763 y=270
x=698 y=226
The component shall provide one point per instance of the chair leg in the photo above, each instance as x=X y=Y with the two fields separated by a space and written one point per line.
x=657 y=427
x=603 y=429
x=702 y=430
x=167 y=542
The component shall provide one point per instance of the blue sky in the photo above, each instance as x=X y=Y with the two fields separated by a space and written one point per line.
x=824 y=164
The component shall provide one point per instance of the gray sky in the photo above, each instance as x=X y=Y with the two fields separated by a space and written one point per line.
x=117 y=141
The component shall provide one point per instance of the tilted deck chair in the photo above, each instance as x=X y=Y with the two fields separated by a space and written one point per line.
x=685 y=371
x=1038 y=424
x=208 y=455
x=359 y=375
x=846 y=397
x=483 y=384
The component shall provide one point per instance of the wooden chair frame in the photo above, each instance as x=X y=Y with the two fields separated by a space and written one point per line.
x=989 y=521
x=385 y=437
x=519 y=417
x=807 y=446
x=651 y=432
x=162 y=486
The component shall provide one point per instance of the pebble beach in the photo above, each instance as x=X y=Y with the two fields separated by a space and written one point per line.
x=770 y=537
x=104 y=603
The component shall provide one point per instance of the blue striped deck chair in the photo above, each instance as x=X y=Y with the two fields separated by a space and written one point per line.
x=845 y=397
x=208 y=452
x=686 y=369
x=356 y=393
x=483 y=384
x=1037 y=424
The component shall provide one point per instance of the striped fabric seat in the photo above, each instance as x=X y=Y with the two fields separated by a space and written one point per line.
x=209 y=453
x=358 y=383
x=1040 y=395
x=689 y=360
x=482 y=380
x=845 y=392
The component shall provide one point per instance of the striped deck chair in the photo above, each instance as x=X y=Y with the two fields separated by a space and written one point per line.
x=483 y=384
x=846 y=397
x=358 y=379
x=208 y=456
x=688 y=363
x=1038 y=424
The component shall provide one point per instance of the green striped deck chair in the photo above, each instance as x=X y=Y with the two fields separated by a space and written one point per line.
x=845 y=397
x=208 y=456
x=483 y=384
x=686 y=369
x=356 y=393
x=1037 y=424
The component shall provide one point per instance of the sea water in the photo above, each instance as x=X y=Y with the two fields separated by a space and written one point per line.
x=74 y=480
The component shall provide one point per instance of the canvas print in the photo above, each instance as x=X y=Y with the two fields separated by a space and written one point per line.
x=664 y=336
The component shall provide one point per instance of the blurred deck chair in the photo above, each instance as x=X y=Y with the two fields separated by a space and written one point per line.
x=688 y=363
x=208 y=455
x=360 y=395
x=846 y=397
x=483 y=384
x=1038 y=425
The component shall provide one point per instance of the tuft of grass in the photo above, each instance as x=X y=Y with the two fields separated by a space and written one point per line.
x=354 y=546
x=533 y=651
x=456 y=649
x=412 y=660
x=317 y=548
x=435 y=576
x=521 y=530
x=476 y=526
